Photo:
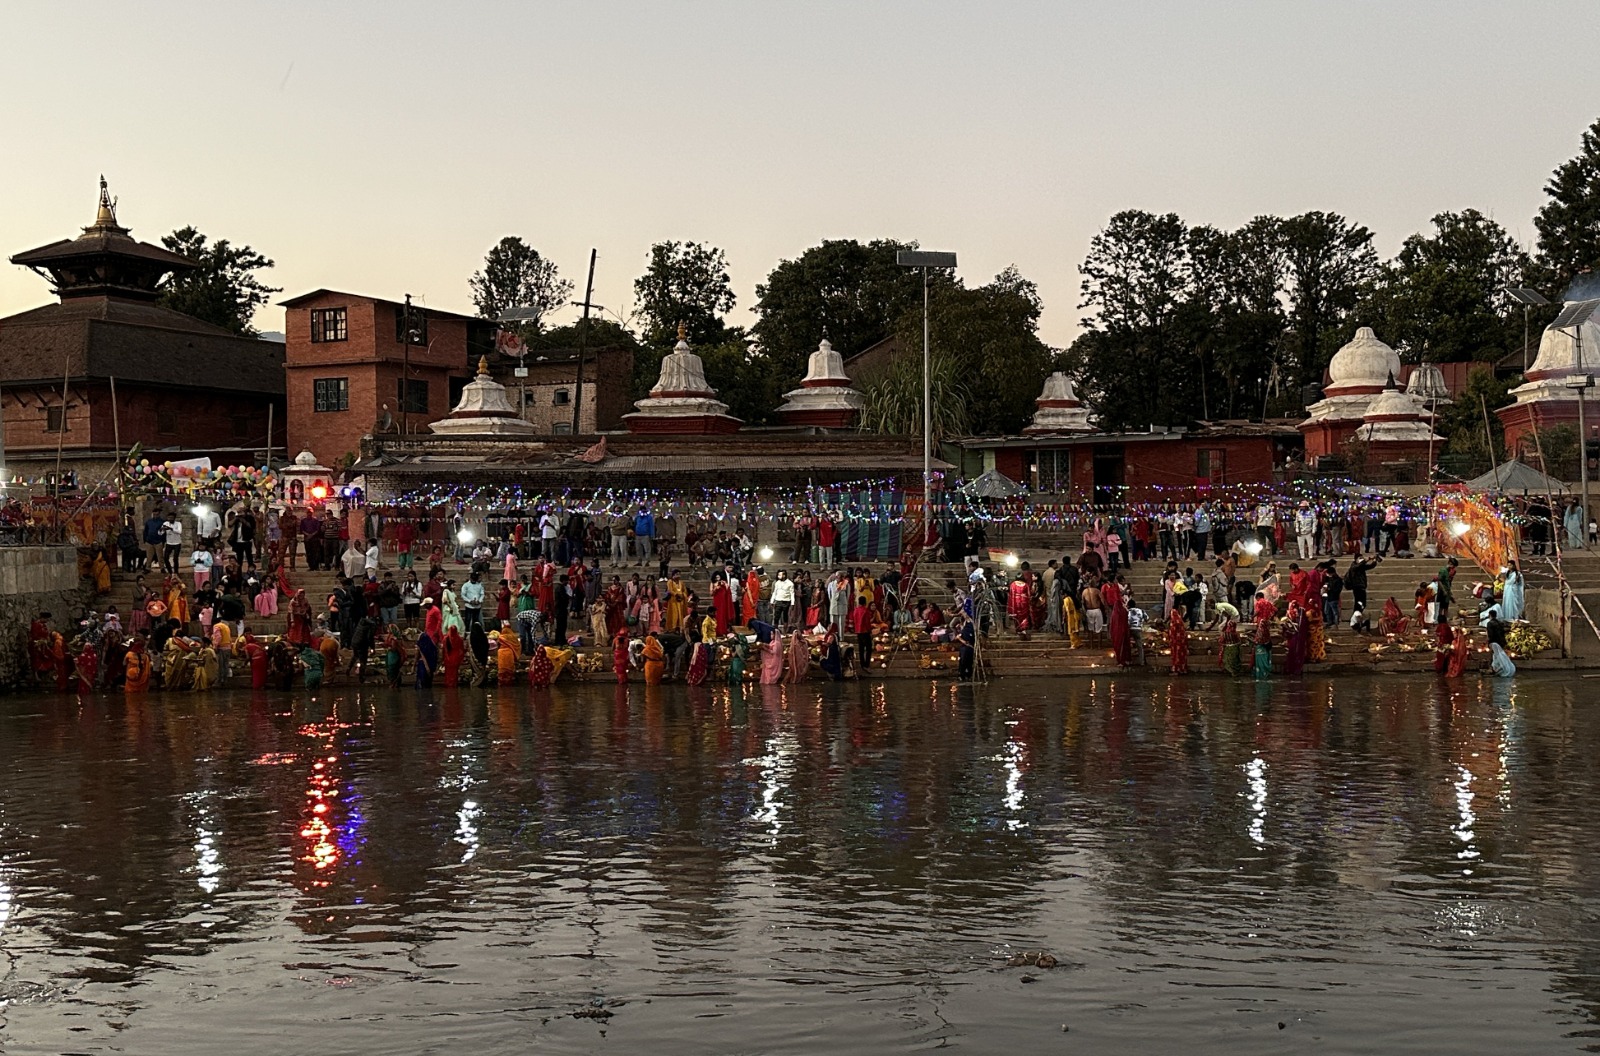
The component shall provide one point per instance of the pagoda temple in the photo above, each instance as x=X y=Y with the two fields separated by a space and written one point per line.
x=1545 y=398
x=1059 y=409
x=682 y=401
x=825 y=397
x=108 y=365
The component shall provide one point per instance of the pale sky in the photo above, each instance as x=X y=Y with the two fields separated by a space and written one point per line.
x=383 y=148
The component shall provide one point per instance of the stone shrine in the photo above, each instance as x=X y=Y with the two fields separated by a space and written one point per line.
x=682 y=401
x=825 y=397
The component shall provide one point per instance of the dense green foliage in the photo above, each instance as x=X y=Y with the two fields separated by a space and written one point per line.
x=224 y=290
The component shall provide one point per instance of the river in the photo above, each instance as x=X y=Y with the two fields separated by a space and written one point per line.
x=1349 y=865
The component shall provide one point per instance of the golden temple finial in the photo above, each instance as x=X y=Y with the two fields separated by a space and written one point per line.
x=483 y=366
x=683 y=331
x=106 y=216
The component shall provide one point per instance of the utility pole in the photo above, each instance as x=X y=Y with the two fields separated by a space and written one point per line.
x=583 y=346
x=405 y=368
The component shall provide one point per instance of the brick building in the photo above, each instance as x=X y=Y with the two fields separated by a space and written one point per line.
x=549 y=390
x=1108 y=467
x=357 y=364
x=107 y=366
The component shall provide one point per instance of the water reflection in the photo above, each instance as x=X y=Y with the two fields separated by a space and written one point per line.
x=759 y=861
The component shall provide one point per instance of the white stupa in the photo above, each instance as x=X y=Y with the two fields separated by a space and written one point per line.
x=682 y=401
x=825 y=397
x=1395 y=417
x=1427 y=386
x=1059 y=409
x=484 y=409
x=1545 y=381
x=1356 y=374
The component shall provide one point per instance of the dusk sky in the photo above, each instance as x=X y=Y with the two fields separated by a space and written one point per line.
x=383 y=148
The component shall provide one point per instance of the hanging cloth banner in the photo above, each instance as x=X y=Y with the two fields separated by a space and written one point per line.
x=1465 y=526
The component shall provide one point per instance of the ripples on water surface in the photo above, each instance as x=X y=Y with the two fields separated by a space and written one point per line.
x=1340 y=866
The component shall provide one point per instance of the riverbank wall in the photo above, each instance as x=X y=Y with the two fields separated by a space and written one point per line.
x=34 y=579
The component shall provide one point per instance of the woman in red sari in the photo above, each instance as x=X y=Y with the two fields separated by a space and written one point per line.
x=540 y=670
x=619 y=657
x=616 y=606
x=256 y=654
x=1459 y=650
x=722 y=605
x=452 y=651
x=1111 y=595
x=1295 y=640
x=750 y=597
x=699 y=664
x=299 y=632
x=1019 y=605
x=1178 y=642
x=1443 y=643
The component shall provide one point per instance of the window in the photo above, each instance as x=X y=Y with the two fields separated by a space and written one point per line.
x=563 y=397
x=1210 y=465
x=417 y=325
x=330 y=394
x=561 y=429
x=329 y=324
x=413 y=395
x=55 y=420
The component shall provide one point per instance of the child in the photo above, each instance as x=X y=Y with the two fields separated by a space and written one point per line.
x=201 y=561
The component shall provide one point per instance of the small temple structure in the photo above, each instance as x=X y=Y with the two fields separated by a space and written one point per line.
x=484 y=410
x=1545 y=399
x=682 y=401
x=825 y=398
x=1357 y=374
x=1397 y=426
x=1059 y=409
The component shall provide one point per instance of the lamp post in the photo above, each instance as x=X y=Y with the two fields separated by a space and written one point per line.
x=926 y=260
x=1527 y=298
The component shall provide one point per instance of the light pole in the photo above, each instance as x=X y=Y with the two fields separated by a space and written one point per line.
x=1527 y=298
x=926 y=260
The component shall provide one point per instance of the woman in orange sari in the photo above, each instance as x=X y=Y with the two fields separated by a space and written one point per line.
x=136 y=668
x=508 y=655
x=655 y=661
x=177 y=603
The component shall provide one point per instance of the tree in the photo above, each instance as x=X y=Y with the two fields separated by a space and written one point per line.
x=1462 y=423
x=992 y=333
x=1330 y=267
x=1236 y=315
x=851 y=293
x=894 y=400
x=687 y=283
x=515 y=275
x=223 y=290
x=1137 y=277
x=1569 y=223
x=1443 y=297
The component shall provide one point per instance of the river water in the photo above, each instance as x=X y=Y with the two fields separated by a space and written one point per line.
x=1344 y=866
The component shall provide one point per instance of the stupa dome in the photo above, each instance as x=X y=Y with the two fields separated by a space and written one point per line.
x=1059 y=409
x=484 y=407
x=681 y=401
x=825 y=397
x=1426 y=384
x=1365 y=362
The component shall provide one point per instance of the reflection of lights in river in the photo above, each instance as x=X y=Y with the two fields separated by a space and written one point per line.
x=1255 y=772
x=776 y=768
x=322 y=847
x=467 y=828
x=207 y=855
x=1464 y=829
x=1013 y=762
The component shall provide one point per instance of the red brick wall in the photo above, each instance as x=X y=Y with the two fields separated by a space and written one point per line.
x=157 y=418
x=372 y=359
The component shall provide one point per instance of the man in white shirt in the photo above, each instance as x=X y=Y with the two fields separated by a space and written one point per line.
x=172 y=536
x=782 y=599
x=371 y=559
x=549 y=528
x=472 y=601
x=207 y=525
x=1305 y=530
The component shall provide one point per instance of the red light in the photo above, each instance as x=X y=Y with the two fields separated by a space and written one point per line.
x=319 y=491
